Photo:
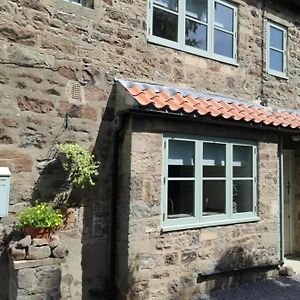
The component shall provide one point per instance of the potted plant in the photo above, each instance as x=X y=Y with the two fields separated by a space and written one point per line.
x=40 y=220
x=79 y=163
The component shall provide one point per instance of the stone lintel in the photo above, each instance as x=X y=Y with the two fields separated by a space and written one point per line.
x=21 y=264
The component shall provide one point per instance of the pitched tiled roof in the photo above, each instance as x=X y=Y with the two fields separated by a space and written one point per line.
x=177 y=100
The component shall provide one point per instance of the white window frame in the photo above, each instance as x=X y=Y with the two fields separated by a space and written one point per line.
x=284 y=51
x=199 y=220
x=180 y=45
x=81 y=2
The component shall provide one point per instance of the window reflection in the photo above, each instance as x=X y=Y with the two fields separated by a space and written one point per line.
x=165 y=24
x=195 y=35
x=276 y=38
x=170 y=4
x=224 y=17
x=242 y=196
x=223 y=43
x=197 y=9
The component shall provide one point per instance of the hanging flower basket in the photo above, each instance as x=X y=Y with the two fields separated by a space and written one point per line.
x=79 y=163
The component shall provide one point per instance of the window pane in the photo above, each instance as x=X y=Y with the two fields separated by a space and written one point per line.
x=223 y=43
x=195 y=35
x=242 y=161
x=276 y=60
x=224 y=17
x=180 y=171
x=181 y=159
x=276 y=38
x=170 y=4
x=180 y=199
x=214 y=160
x=214 y=197
x=197 y=9
x=165 y=24
x=242 y=196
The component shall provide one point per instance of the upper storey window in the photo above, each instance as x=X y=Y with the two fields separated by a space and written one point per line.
x=276 y=51
x=79 y=2
x=203 y=27
x=85 y=3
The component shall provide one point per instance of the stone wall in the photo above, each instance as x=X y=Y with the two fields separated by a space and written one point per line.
x=36 y=279
x=166 y=265
x=58 y=62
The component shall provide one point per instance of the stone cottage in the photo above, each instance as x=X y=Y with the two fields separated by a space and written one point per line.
x=192 y=108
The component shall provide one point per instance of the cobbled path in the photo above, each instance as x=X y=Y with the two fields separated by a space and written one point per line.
x=281 y=288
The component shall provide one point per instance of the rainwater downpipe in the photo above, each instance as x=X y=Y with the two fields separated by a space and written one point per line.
x=281 y=200
x=119 y=121
x=263 y=101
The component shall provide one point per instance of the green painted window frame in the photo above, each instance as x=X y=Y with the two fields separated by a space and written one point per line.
x=199 y=220
x=277 y=73
x=180 y=44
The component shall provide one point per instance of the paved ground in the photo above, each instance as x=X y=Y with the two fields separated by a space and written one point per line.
x=294 y=262
x=281 y=288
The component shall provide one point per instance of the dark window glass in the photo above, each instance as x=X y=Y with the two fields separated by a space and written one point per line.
x=181 y=192
x=214 y=199
x=242 y=196
x=181 y=159
x=214 y=158
x=242 y=161
x=165 y=24
x=180 y=199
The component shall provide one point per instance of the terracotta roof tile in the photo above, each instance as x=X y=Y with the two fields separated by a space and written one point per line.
x=204 y=104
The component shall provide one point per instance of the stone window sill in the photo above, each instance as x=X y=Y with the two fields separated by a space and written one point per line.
x=210 y=224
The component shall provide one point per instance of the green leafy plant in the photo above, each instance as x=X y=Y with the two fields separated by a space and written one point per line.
x=40 y=216
x=79 y=163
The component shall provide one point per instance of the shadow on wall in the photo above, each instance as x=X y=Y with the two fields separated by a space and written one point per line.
x=211 y=286
x=237 y=266
x=94 y=217
x=96 y=236
x=4 y=290
x=51 y=184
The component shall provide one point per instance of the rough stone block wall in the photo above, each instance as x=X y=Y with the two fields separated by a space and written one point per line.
x=166 y=265
x=57 y=64
x=35 y=281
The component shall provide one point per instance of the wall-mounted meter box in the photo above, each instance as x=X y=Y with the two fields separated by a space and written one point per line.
x=4 y=190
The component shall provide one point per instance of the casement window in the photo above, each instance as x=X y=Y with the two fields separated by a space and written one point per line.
x=203 y=27
x=79 y=2
x=208 y=181
x=276 y=50
x=85 y=3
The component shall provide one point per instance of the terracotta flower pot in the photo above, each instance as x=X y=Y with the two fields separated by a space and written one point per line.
x=34 y=232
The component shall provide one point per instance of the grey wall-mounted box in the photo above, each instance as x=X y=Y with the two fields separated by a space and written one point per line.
x=4 y=190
